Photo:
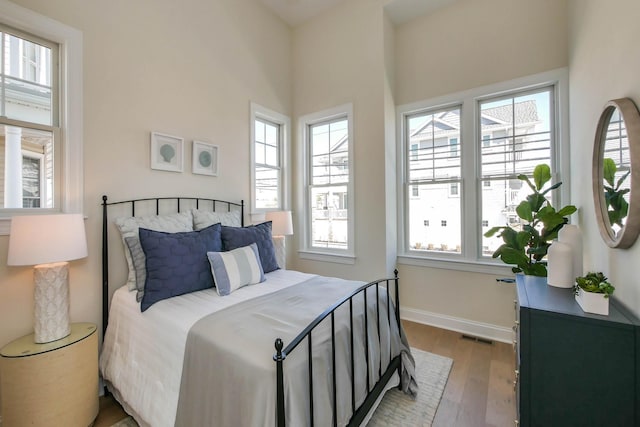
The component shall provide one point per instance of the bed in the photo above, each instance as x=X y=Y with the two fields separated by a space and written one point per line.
x=290 y=349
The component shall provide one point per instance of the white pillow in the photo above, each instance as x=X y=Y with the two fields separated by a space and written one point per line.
x=236 y=268
x=129 y=226
x=203 y=219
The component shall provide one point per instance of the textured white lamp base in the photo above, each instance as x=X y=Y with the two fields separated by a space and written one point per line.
x=51 y=302
x=280 y=250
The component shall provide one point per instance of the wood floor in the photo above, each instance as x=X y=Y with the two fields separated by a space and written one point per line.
x=479 y=391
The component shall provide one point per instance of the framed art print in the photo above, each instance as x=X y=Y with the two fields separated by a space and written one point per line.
x=205 y=158
x=167 y=152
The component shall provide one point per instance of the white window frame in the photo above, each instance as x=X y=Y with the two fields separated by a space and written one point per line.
x=70 y=106
x=259 y=112
x=306 y=251
x=471 y=257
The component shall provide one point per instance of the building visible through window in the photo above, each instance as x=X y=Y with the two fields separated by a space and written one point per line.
x=28 y=119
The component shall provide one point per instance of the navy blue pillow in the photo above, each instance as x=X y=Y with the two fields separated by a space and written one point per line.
x=177 y=263
x=237 y=237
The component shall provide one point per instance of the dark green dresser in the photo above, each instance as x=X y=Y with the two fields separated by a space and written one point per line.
x=574 y=368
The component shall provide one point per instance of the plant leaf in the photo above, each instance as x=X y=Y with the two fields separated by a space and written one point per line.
x=541 y=175
x=492 y=231
x=524 y=211
x=567 y=210
x=513 y=256
x=609 y=170
x=621 y=180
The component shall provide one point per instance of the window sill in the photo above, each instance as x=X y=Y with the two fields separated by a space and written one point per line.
x=470 y=266
x=325 y=257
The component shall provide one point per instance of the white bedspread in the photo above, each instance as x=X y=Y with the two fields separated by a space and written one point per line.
x=142 y=353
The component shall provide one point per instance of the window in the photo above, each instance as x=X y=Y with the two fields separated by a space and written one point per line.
x=30 y=119
x=328 y=178
x=521 y=125
x=483 y=138
x=453 y=147
x=453 y=189
x=436 y=170
x=40 y=114
x=269 y=142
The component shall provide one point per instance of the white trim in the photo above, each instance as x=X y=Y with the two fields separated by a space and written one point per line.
x=488 y=267
x=257 y=111
x=70 y=99
x=330 y=255
x=325 y=257
x=471 y=258
x=457 y=324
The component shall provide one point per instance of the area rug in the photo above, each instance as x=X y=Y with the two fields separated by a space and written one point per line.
x=397 y=409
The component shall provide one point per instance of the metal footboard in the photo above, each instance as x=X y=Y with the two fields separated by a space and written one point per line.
x=384 y=372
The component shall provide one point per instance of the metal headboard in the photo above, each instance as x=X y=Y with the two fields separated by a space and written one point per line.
x=175 y=204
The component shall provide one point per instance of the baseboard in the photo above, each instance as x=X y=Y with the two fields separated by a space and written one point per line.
x=465 y=326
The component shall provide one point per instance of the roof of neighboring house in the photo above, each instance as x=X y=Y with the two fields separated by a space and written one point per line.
x=524 y=112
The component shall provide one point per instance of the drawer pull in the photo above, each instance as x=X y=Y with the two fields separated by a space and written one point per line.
x=515 y=326
x=515 y=382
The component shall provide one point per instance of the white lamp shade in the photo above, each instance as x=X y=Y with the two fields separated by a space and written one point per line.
x=281 y=224
x=43 y=239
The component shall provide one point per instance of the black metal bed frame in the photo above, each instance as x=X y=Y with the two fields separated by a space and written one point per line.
x=360 y=413
x=279 y=357
x=132 y=203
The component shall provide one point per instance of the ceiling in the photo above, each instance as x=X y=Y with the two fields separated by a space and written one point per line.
x=295 y=12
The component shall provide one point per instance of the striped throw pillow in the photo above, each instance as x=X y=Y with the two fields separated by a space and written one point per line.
x=236 y=268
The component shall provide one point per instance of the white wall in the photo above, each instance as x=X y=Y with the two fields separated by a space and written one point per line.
x=338 y=58
x=603 y=64
x=187 y=68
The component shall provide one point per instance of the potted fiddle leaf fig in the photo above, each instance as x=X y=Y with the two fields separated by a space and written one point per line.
x=525 y=246
x=592 y=293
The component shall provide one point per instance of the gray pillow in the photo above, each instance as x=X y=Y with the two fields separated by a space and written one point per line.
x=129 y=226
x=139 y=264
x=203 y=219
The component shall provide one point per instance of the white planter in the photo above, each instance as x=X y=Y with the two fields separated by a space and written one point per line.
x=593 y=303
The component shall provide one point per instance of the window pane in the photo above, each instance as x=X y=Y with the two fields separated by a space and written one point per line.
x=271 y=134
x=434 y=218
x=329 y=217
x=259 y=131
x=267 y=188
x=27 y=167
x=516 y=134
x=26 y=80
x=271 y=155
x=435 y=146
x=516 y=137
x=330 y=153
x=260 y=153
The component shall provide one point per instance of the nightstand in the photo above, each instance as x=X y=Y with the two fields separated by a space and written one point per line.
x=52 y=384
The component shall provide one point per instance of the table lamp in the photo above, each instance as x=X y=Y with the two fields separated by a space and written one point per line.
x=281 y=225
x=48 y=242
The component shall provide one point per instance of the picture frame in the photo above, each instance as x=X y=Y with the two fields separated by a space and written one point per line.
x=205 y=158
x=167 y=152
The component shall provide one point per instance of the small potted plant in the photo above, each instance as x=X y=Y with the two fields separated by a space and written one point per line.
x=592 y=293
x=526 y=245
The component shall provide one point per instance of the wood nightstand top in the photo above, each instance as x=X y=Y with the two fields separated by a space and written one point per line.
x=25 y=346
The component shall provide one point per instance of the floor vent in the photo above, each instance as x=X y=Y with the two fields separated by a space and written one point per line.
x=477 y=339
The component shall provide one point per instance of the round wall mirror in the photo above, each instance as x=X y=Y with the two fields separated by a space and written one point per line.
x=616 y=173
